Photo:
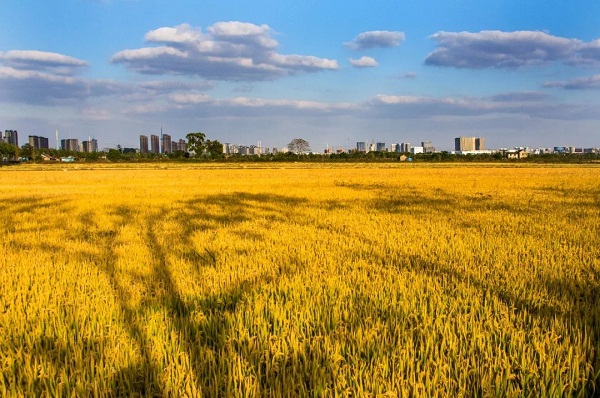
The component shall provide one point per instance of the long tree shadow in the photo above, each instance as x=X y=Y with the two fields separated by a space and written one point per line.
x=162 y=294
x=411 y=200
x=196 y=338
x=579 y=304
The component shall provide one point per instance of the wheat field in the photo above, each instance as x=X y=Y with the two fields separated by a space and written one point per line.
x=299 y=280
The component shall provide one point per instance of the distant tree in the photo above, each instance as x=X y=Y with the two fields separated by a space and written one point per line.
x=114 y=154
x=196 y=142
x=298 y=146
x=177 y=154
x=8 y=151
x=214 y=148
x=27 y=151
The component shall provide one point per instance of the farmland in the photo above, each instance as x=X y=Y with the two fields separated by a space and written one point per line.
x=295 y=280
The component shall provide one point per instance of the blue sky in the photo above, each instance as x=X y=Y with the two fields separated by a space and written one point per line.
x=331 y=72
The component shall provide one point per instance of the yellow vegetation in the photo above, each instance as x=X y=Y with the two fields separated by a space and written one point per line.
x=295 y=280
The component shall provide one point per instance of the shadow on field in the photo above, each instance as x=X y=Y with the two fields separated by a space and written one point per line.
x=195 y=338
x=584 y=197
x=411 y=200
x=198 y=324
x=582 y=299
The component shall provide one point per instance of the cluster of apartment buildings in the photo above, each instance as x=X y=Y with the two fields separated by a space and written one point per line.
x=73 y=144
x=405 y=147
x=461 y=145
x=162 y=144
x=469 y=144
x=10 y=137
x=235 y=149
x=39 y=142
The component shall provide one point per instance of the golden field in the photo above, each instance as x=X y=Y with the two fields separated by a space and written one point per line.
x=299 y=280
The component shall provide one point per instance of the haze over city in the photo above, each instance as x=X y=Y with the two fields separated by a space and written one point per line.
x=334 y=73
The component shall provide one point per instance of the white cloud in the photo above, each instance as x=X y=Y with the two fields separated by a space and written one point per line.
x=243 y=32
x=589 y=53
x=363 y=62
x=190 y=98
x=420 y=107
x=497 y=49
x=376 y=39
x=303 y=62
x=520 y=96
x=581 y=83
x=33 y=87
x=174 y=35
x=167 y=86
x=148 y=53
x=234 y=51
x=41 y=61
x=526 y=104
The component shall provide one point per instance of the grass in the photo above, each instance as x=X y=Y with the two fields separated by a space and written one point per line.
x=299 y=280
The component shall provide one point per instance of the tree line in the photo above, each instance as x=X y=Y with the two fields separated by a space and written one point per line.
x=199 y=148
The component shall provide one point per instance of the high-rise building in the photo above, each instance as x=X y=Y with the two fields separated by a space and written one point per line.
x=70 y=144
x=380 y=147
x=143 y=144
x=469 y=144
x=479 y=143
x=427 y=147
x=154 y=144
x=182 y=146
x=38 y=142
x=255 y=150
x=174 y=146
x=166 y=143
x=11 y=137
x=361 y=146
x=90 y=145
x=464 y=144
x=405 y=147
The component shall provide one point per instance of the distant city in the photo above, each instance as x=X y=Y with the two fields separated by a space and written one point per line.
x=165 y=144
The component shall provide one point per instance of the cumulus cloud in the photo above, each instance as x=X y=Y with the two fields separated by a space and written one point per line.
x=581 y=83
x=43 y=78
x=416 y=107
x=234 y=51
x=363 y=62
x=43 y=88
x=520 y=96
x=196 y=105
x=41 y=61
x=168 y=86
x=376 y=39
x=525 y=104
x=498 y=49
x=190 y=98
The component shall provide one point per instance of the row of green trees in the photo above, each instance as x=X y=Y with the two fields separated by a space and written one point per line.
x=198 y=147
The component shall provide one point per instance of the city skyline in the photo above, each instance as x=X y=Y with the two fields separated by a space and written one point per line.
x=164 y=144
x=331 y=73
